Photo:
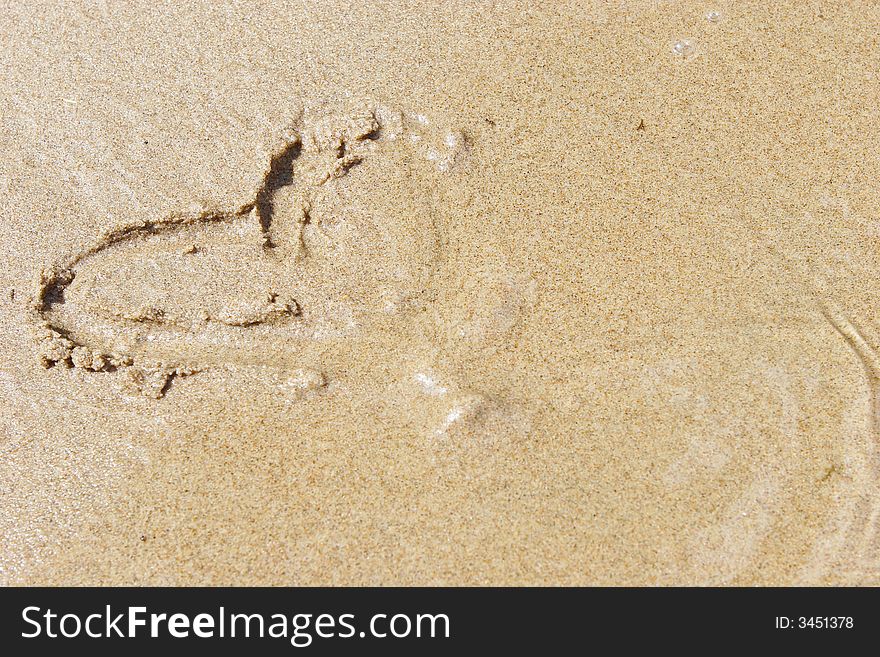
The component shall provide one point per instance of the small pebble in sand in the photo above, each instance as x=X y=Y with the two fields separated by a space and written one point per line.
x=713 y=16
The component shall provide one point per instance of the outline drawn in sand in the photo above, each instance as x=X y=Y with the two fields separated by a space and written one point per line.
x=855 y=535
x=849 y=553
x=315 y=255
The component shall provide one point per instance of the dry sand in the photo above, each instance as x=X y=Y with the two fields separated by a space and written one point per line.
x=440 y=293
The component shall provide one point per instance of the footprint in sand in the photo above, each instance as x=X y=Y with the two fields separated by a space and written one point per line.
x=341 y=240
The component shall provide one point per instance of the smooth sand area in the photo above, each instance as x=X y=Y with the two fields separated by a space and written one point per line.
x=440 y=293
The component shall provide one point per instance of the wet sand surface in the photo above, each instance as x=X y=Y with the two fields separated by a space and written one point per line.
x=440 y=293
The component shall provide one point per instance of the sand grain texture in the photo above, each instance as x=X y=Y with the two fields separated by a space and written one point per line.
x=440 y=293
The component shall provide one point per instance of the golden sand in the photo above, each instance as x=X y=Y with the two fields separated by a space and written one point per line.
x=440 y=293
